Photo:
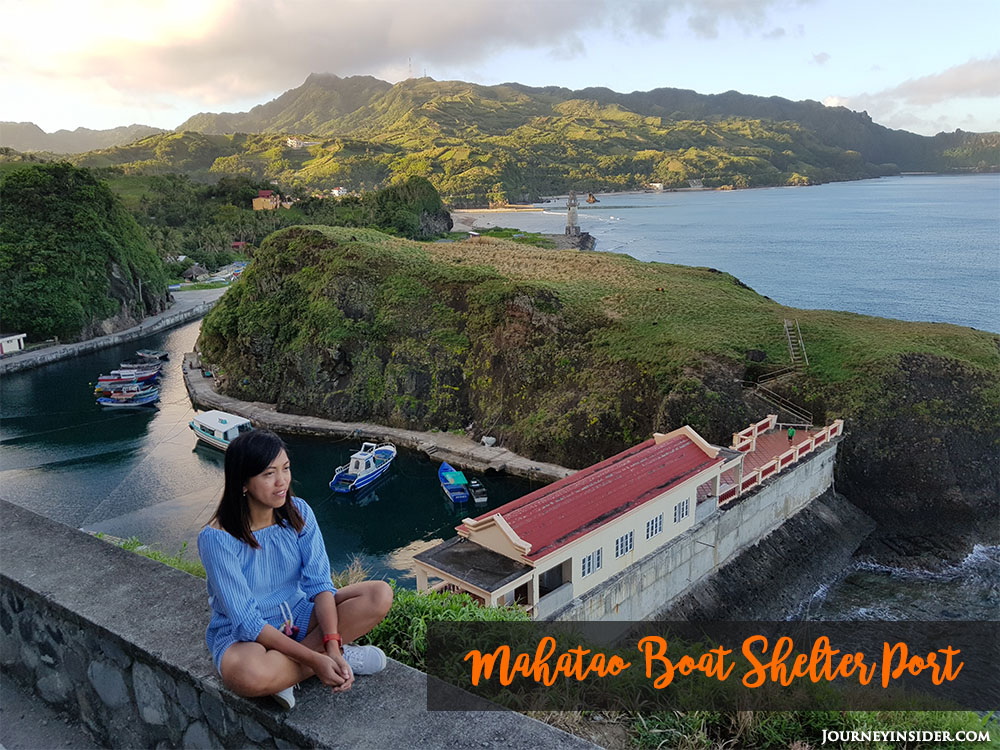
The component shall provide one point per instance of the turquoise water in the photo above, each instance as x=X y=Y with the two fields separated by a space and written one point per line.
x=141 y=473
x=923 y=248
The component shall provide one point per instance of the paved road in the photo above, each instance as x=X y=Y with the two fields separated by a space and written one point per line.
x=184 y=302
x=27 y=723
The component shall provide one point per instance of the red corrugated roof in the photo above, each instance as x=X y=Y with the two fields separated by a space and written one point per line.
x=555 y=515
x=265 y=193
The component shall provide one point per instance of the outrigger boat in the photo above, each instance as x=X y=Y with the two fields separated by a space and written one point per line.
x=219 y=428
x=454 y=483
x=365 y=466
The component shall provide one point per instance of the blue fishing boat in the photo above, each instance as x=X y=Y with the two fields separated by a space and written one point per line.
x=454 y=483
x=365 y=466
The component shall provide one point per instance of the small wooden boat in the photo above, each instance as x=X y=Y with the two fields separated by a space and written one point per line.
x=149 y=399
x=153 y=354
x=365 y=466
x=124 y=377
x=454 y=483
x=146 y=365
x=477 y=491
x=218 y=428
x=132 y=391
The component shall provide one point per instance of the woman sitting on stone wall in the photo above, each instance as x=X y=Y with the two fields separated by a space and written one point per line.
x=276 y=617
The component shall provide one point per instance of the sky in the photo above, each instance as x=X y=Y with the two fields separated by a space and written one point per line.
x=920 y=65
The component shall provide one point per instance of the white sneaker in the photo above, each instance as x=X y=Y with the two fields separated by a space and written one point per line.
x=285 y=698
x=365 y=659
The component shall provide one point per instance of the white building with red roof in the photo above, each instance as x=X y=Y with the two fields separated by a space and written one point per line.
x=559 y=543
x=564 y=539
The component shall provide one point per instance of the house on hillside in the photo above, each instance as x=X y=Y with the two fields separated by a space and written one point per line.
x=266 y=200
x=299 y=143
x=558 y=542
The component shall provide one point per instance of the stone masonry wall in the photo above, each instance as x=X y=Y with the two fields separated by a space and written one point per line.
x=652 y=584
x=116 y=642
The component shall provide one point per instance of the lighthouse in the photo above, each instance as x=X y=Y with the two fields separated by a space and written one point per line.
x=572 y=225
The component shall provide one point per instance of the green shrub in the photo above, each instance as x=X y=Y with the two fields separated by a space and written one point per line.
x=403 y=633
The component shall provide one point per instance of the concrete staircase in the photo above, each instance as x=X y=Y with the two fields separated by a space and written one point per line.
x=796 y=346
x=800 y=360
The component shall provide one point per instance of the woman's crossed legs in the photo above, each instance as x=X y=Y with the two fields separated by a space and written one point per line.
x=251 y=670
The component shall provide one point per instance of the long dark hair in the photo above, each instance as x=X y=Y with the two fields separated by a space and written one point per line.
x=247 y=456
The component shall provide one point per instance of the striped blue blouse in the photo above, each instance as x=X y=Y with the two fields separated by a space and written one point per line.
x=247 y=586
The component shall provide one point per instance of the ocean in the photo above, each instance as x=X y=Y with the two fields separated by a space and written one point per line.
x=921 y=248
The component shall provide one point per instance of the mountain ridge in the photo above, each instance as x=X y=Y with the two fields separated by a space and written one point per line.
x=494 y=145
x=837 y=126
x=27 y=136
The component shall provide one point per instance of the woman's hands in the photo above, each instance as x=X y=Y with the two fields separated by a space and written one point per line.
x=332 y=669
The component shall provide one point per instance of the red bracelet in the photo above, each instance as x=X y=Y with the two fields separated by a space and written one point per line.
x=334 y=637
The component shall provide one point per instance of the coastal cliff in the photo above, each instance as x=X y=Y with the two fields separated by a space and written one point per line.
x=570 y=357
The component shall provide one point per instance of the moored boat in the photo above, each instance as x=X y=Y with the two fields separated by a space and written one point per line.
x=123 y=377
x=477 y=491
x=149 y=399
x=454 y=483
x=132 y=391
x=153 y=353
x=146 y=365
x=218 y=428
x=365 y=466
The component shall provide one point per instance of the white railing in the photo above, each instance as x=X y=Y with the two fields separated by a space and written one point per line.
x=780 y=463
x=747 y=439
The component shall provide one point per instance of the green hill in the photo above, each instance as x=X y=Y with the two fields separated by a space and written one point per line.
x=73 y=262
x=511 y=143
x=571 y=357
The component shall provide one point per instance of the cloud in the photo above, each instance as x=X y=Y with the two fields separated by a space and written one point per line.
x=775 y=33
x=972 y=79
x=228 y=50
x=821 y=58
x=913 y=103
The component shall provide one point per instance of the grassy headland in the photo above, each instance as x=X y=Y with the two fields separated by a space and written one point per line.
x=571 y=356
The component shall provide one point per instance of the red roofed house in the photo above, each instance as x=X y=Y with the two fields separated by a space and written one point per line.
x=558 y=542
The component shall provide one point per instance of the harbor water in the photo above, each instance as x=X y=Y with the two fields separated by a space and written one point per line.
x=141 y=473
x=916 y=248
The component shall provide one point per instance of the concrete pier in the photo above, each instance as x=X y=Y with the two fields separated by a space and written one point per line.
x=457 y=450
x=187 y=306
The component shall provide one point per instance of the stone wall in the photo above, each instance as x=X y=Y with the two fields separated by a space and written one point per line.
x=652 y=584
x=116 y=641
x=163 y=321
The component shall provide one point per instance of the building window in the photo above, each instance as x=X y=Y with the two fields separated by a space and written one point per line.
x=624 y=543
x=681 y=510
x=590 y=563
x=654 y=526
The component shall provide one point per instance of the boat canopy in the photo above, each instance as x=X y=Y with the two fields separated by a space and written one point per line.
x=454 y=477
x=220 y=421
